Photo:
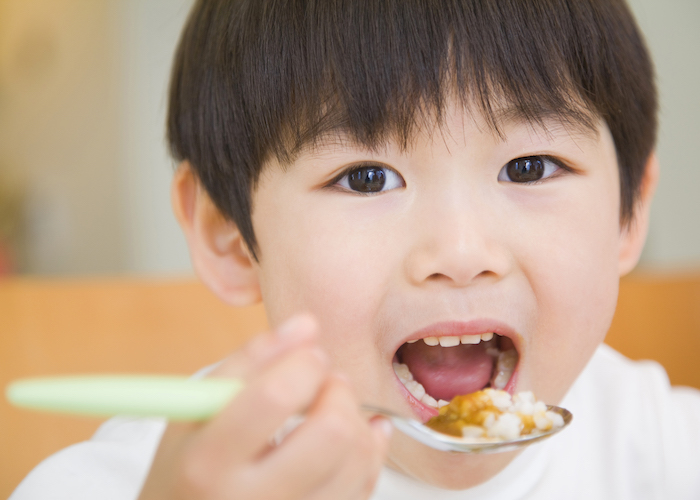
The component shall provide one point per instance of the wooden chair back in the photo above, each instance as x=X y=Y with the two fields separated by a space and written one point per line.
x=658 y=317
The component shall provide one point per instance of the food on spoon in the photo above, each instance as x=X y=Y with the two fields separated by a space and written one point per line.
x=493 y=415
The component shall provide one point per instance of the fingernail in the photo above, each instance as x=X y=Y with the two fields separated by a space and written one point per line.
x=297 y=328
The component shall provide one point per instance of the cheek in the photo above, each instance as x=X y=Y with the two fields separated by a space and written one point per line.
x=336 y=268
x=577 y=289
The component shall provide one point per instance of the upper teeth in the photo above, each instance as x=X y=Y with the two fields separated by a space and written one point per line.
x=455 y=340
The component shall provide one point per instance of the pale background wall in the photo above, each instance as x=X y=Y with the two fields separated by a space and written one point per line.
x=59 y=130
x=154 y=242
x=671 y=29
x=82 y=110
x=82 y=107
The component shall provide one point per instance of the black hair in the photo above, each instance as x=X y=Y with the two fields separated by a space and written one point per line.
x=256 y=79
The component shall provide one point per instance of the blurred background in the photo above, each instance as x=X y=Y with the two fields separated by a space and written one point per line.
x=84 y=171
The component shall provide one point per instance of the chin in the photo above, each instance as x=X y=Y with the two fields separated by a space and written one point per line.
x=451 y=471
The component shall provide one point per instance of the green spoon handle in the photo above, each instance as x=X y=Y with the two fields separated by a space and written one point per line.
x=173 y=397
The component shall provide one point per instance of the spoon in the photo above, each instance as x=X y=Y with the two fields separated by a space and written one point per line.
x=445 y=442
x=187 y=399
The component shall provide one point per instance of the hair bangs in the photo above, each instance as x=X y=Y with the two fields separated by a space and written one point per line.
x=388 y=76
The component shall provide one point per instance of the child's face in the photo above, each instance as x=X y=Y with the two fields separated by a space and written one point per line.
x=450 y=244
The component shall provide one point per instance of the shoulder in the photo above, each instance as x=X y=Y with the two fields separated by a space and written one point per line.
x=639 y=390
x=612 y=380
x=111 y=465
x=639 y=436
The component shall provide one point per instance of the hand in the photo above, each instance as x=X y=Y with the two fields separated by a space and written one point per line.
x=334 y=453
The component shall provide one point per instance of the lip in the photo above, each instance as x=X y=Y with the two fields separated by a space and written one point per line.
x=454 y=329
x=459 y=328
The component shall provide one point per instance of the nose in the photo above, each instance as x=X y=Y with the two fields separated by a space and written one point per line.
x=458 y=241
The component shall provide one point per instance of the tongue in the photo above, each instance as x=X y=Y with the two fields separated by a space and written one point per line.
x=446 y=372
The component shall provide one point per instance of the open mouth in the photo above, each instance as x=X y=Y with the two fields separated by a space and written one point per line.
x=435 y=369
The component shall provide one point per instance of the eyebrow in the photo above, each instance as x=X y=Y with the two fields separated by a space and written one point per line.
x=574 y=119
x=339 y=134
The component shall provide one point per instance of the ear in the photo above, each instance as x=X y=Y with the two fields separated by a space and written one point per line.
x=219 y=254
x=634 y=234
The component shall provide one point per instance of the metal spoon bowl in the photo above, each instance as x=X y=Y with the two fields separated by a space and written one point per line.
x=445 y=442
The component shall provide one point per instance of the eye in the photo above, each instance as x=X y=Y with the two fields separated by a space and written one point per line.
x=528 y=169
x=370 y=179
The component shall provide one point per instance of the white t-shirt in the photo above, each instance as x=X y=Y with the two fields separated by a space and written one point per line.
x=632 y=437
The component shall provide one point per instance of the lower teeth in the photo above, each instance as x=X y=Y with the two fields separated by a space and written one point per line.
x=505 y=365
x=415 y=387
x=504 y=369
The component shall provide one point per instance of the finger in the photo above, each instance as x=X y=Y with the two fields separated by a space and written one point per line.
x=334 y=441
x=357 y=478
x=287 y=387
x=382 y=430
x=186 y=450
x=266 y=347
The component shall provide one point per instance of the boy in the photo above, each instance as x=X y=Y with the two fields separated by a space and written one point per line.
x=410 y=173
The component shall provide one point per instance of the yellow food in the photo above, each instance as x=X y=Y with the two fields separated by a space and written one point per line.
x=493 y=414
